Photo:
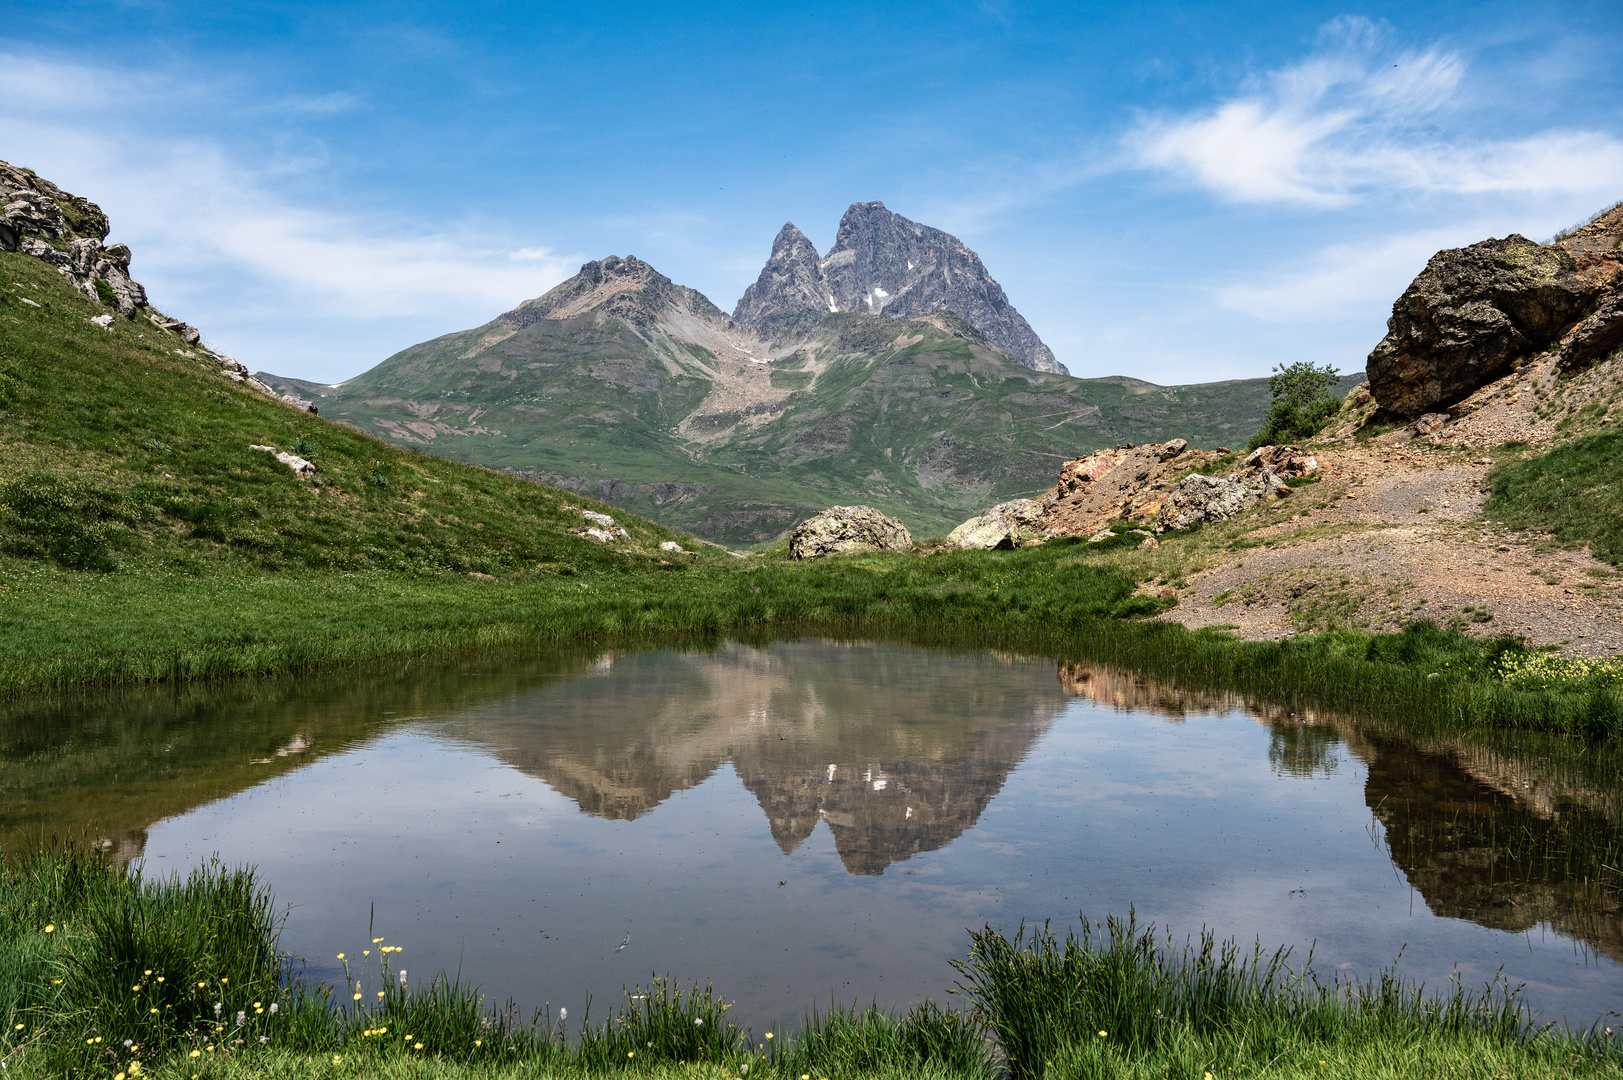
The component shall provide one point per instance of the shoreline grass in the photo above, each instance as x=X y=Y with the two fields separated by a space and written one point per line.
x=107 y=975
x=71 y=633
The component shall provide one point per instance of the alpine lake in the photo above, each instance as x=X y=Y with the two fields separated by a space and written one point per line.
x=807 y=822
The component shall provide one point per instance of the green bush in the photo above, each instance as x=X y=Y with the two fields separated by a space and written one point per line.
x=1302 y=403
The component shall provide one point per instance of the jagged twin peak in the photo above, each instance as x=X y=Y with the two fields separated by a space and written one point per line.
x=882 y=263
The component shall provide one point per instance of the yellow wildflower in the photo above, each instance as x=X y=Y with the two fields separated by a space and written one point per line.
x=50 y=928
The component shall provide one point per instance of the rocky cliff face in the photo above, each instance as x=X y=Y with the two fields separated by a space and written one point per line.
x=884 y=264
x=1477 y=313
x=42 y=220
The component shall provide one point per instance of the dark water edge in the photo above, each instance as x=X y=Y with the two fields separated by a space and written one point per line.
x=666 y=795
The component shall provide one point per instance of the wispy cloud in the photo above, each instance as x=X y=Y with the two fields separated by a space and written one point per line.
x=1339 y=280
x=195 y=212
x=1355 y=119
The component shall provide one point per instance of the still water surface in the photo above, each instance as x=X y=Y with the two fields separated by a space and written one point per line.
x=812 y=820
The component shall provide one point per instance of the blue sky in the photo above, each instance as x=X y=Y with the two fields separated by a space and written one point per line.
x=1177 y=192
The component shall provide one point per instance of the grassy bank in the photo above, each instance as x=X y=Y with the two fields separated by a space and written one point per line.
x=103 y=975
x=67 y=629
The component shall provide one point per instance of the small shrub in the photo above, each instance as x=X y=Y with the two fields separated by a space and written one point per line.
x=105 y=292
x=1302 y=403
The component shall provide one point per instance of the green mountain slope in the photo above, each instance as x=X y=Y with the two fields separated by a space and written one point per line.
x=125 y=446
x=625 y=386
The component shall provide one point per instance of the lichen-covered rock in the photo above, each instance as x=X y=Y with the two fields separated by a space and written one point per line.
x=999 y=528
x=848 y=528
x=1472 y=313
x=1199 y=499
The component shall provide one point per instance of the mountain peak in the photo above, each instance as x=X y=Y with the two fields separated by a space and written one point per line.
x=884 y=264
x=790 y=293
x=627 y=289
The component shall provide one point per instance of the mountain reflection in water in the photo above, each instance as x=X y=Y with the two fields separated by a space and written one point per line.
x=1509 y=838
x=892 y=765
x=886 y=797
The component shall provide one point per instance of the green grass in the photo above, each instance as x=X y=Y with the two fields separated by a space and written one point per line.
x=104 y=975
x=1575 y=491
x=1113 y=1001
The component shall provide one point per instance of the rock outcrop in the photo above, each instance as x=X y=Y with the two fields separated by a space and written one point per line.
x=884 y=264
x=1262 y=476
x=66 y=231
x=848 y=528
x=1125 y=482
x=301 y=468
x=1004 y=526
x=1475 y=313
x=1595 y=336
x=1154 y=485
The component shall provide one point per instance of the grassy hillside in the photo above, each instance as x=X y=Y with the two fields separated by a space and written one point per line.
x=118 y=449
x=927 y=422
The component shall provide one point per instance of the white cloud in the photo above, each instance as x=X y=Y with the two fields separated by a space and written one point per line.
x=1354 y=120
x=185 y=209
x=1340 y=280
x=194 y=212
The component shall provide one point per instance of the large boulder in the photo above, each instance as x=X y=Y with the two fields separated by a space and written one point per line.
x=848 y=528
x=1471 y=314
x=998 y=528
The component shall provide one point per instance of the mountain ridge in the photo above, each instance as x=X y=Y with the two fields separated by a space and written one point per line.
x=622 y=385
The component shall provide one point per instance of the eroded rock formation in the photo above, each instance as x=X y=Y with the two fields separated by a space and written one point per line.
x=42 y=220
x=1125 y=482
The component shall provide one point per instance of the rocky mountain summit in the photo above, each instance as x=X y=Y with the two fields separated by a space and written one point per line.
x=623 y=385
x=884 y=264
x=627 y=289
x=1478 y=313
